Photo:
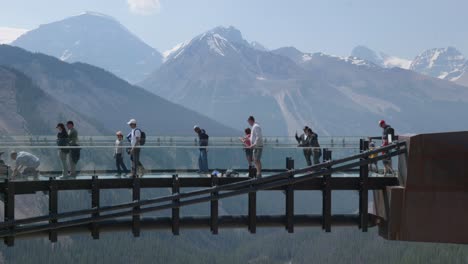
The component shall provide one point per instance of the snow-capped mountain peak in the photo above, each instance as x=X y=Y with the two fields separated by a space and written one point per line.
x=379 y=58
x=443 y=63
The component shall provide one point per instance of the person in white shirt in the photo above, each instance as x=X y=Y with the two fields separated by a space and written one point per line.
x=304 y=143
x=134 y=137
x=25 y=163
x=118 y=155
x=256 y=141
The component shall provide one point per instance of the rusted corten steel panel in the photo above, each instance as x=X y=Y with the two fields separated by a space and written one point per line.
x=433 y=206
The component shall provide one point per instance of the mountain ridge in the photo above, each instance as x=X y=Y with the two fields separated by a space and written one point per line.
x=96 y=39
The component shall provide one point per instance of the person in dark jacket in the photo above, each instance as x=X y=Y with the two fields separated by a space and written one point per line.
x=203 y=143
x=62 y=143
x=74 y=155
x=316 y=150
x=303 y=142
x=388 y=135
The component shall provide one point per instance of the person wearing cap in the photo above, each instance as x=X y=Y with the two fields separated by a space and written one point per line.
x=62 y=143
x=74 y=155
x=256 y=143
x=203 y=143
x=134 y=137
x=25 y=163
x=303 y=142
x=118 y=155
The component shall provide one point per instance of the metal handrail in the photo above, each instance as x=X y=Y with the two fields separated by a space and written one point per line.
x=248 y=185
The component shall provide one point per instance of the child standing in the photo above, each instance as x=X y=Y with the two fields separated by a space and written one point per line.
x=118 y=152
x=247 y=143
x=373 y=166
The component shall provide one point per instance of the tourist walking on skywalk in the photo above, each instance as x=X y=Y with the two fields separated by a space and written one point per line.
x=316 y=150
x=118 y=155
x=136 y=140
x=62 y=143
x=256 y=141
x=74 y=155
x=304 y=142
x=388 y=136
x=203 y=155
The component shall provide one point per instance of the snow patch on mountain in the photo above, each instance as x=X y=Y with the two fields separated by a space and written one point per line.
x=66 y=55
x=306 y=57
x=379 y=58
x=392 y=61
x=175 y=51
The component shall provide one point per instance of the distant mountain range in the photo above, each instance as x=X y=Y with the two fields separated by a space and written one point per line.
x=95 y=39
x=220 y=74
x=97 y=94
x=443 y=63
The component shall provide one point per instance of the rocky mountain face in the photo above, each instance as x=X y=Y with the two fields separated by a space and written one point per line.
x=102 y=96
x=95 y=39
x=26 y=109
x=219 y=75
x=444 y=63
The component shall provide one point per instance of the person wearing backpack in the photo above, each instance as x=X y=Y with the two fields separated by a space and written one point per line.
x=388 y=135
x=137 y=138
x=203 y=143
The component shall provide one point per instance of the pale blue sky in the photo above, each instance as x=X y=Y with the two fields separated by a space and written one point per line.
x=398 y=27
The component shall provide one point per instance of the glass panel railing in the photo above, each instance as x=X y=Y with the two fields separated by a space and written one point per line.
x=164 y=156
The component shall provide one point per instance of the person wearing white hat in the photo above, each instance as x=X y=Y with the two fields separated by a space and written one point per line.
x=135 y=137
x=118 y=154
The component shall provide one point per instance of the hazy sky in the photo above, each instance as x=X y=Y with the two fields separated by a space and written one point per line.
x=397 y=27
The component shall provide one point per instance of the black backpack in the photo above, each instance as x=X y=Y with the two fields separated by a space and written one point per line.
x=142 y=138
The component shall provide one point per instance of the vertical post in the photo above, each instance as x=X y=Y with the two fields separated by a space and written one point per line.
x=214 y=206
x=175 y=210
x=95 y=197
x=326 y=194
x=290 y=206
x=9 y=209
x=252 y=215
x=364 y=191
x=136 y=209
x=53 y=207
x=289 y=163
